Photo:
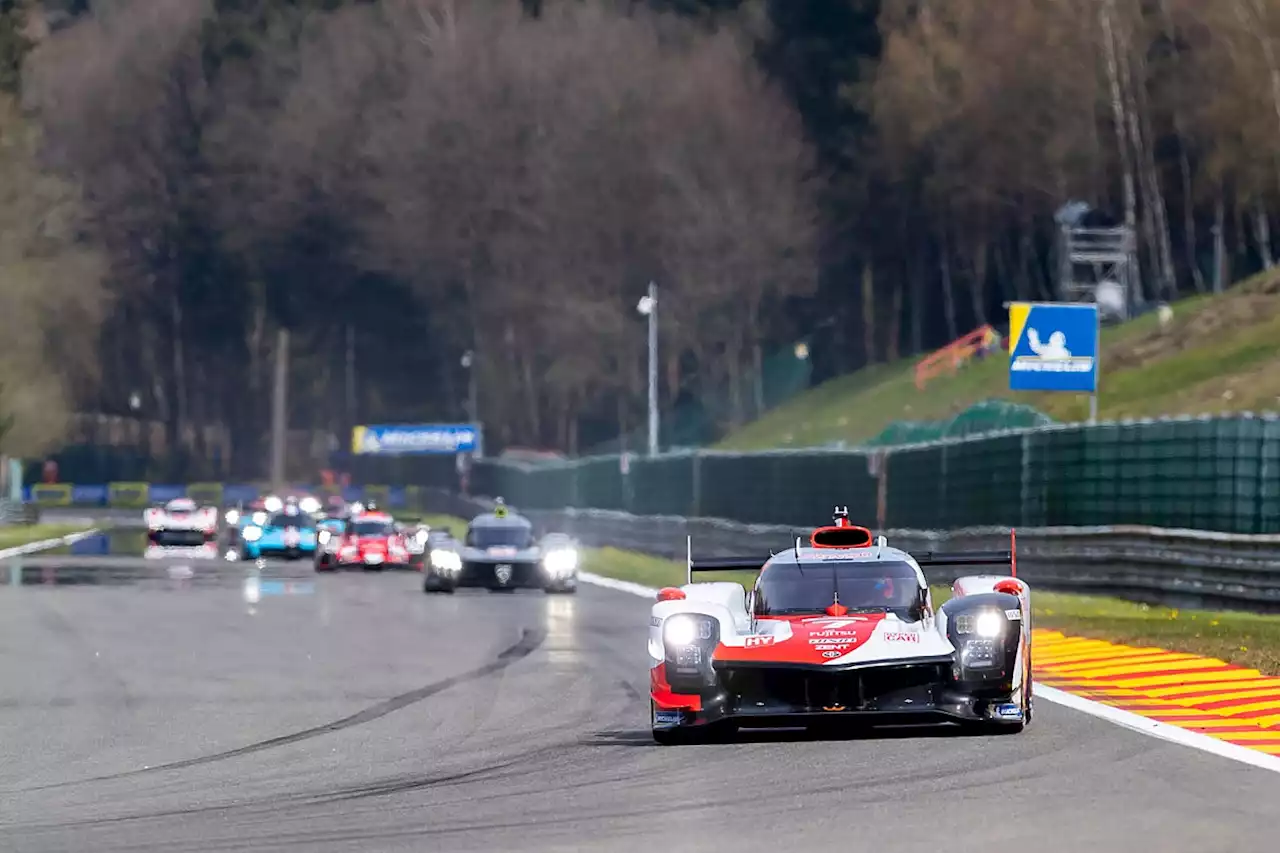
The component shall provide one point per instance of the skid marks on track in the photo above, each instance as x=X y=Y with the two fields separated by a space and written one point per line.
x=529 y=641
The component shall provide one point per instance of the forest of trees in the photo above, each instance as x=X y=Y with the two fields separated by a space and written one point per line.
x=401 y=182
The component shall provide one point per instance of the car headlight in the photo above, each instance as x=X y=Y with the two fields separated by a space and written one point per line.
x=989 y=624
x=324 y=536
x=252 y=533
x=273 y=504
x=259 y=518
x=233 y=516
x=683 y=630
x=561 y=561
x=448 y=561
x=309 y=505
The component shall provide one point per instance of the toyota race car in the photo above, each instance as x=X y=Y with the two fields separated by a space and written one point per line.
x=501 y=553
x=181 y=522
x=288 y=532
x=840 y=631
x=372 y=540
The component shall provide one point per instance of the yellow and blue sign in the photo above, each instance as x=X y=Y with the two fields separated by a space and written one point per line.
x=1053 y=346
x=52 y=494
x=396 y=439
x=128 y=494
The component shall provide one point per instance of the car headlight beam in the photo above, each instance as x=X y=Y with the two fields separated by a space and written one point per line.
x=447 y=561
x=561 y=561
x=989 y=623
x=252 y=533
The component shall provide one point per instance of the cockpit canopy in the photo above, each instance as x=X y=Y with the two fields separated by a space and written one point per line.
x=811 y=586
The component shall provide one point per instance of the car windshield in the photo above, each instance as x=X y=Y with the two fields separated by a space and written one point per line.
x=811 y=587
x=283 y=519
x=373 y=528
x=510 y=536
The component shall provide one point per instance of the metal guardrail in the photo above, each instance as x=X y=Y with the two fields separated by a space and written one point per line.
x=1194 y=569
x=16 y=512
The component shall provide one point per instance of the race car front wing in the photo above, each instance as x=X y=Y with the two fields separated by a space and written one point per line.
x=780 y=695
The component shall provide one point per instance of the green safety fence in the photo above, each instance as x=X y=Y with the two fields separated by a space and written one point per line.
x=1211 y=473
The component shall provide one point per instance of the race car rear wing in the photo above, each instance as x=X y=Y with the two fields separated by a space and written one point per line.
x=923 y=558
x=972 y=558
x=720 y=564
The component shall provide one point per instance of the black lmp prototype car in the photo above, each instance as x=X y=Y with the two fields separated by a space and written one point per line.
x=502 y=553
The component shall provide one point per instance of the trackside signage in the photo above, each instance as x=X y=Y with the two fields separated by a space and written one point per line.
x=394 y=439
x=1053 y=347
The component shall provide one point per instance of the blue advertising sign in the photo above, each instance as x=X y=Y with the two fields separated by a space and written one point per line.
x=414 y=438
x=1053 y=347
x=89 y=495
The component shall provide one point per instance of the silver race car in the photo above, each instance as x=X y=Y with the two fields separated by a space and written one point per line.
x=181 y=522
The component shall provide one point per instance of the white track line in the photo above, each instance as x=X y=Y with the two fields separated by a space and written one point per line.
x=1127 y=719
x=46 y=544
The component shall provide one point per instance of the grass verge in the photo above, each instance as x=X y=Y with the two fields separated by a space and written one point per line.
x=12 y=537
x=1221 y=354
x=1244 y=639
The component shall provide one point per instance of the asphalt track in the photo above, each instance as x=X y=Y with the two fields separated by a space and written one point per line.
x=165 y=705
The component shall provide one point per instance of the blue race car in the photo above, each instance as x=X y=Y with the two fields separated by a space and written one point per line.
x=288 y=533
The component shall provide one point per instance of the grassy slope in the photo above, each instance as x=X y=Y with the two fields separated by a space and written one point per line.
x=1222 y=354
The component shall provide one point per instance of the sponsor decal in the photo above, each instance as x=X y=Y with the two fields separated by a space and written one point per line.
x=1013 y=615
x=831 y=623
x=901 y=637
x=831 y=654
x=502 y=573
x=1007 y=711
x=752 y=642
x=502 y=551
x=821 y=646
x=655 y=621
x=667 y=718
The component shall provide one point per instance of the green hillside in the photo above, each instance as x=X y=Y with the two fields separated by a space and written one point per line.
x=1220 y=354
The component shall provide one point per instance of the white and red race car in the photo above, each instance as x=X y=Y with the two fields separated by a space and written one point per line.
x=372 y=540
x=181 y=522
x=840 y=632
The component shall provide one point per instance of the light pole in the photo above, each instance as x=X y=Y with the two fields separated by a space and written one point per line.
x=468 y=363
x=648 y=306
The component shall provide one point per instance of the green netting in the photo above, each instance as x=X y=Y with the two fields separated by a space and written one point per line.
x=984 y=417
x=1204 y=473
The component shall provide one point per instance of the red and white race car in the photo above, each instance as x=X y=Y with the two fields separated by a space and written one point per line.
x=181 y=522
x=841 y=632
x=372 y=540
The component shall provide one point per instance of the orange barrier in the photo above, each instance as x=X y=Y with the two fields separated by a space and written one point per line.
x=949 y=358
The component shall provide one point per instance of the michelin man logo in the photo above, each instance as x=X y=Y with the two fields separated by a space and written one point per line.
x=1052 y=356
